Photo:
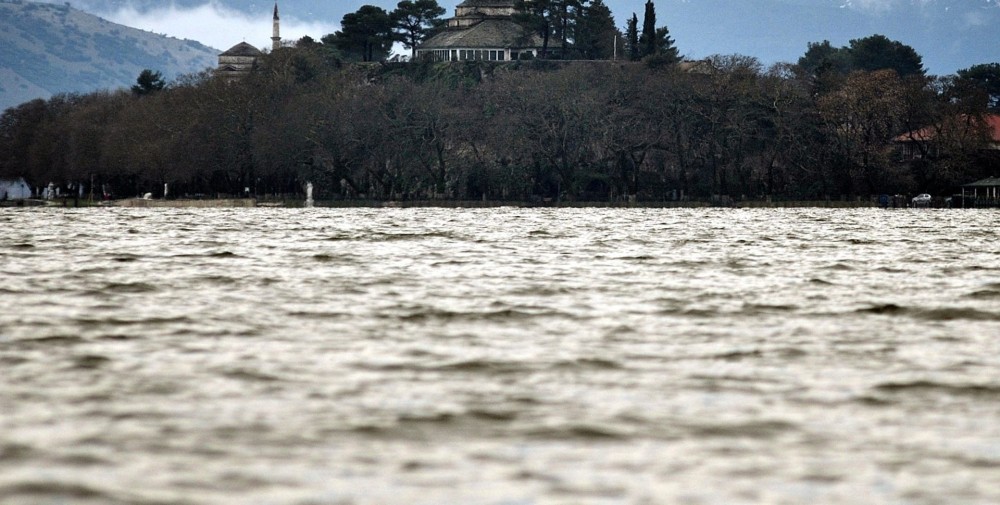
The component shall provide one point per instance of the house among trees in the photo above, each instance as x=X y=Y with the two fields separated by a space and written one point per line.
x=14 y=189
x=984 y=192
x=240 y=59
x=976 y=132
x=483 y=30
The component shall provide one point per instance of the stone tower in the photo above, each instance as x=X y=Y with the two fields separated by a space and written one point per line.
x=275 y=32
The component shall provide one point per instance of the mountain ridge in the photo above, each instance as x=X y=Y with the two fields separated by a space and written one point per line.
x=46 y=49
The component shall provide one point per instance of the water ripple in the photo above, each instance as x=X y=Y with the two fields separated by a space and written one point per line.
x=497 y=356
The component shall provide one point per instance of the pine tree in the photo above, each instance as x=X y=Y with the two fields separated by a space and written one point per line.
x=538 y=15
x=566 y=13
x=985 y=78
x=365 y=35
x=633 y=38
x=665 y=48
x=595 y=35
x=148 y=82
x=878 y=52
x=413 y=21
x=647 y=41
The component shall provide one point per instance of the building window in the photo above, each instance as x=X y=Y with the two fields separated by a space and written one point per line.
x=454 y=55
x=501 y=55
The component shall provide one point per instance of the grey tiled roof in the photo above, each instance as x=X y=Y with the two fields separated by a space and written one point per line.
x=242 y=49
x=988 y=182
x=487 y=3
x=490 y=33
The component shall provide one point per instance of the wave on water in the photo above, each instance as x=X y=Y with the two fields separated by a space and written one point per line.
x=90 y=362
x=927 y=386
x=127 y=288
x=762 y=429
x=49 y=340
x=11 y=452
x=583 y=364
x=840 y=266
x=391 y=237
x=984 y=294
x=499 y=315
x=42 y=491
x=884 y=309
x=489 y=366
x=246 y=374
x=88 y=322
x=581 y=431
x=933 y=314
x=379 y=353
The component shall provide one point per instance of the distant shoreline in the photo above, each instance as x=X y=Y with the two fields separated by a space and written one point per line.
x=447 y=204
x=455 y=204
x=473 y=204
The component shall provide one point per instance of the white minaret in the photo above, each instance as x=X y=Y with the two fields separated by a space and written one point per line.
x=275 y=35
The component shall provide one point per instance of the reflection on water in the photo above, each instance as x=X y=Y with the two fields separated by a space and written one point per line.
x=501 y=356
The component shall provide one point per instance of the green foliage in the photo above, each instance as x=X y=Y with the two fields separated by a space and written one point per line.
x=632 y=38
x=654 y=43
x=647 y=39
x=554 y=20
x=985 y=79
x=596 y=38
x=413 y=21
x=365 y=35
x=148 y=82
x=515 y=131
x=538 y=15
x=665 y=49
x=877 y=52
x=829 y=65
x=822 y=56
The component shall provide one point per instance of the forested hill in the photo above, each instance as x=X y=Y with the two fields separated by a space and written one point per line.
x=47 y=49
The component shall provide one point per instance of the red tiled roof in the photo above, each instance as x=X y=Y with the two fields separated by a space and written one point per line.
x=928 y=133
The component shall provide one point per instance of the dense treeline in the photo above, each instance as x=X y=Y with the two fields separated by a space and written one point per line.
x=515 y=131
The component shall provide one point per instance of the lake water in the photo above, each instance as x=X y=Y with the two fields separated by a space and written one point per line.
x=499 y=356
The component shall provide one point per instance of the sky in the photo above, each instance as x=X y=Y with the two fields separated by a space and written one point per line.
x=949 y=34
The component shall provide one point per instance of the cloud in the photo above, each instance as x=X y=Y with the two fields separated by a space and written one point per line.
x=218 y=26
x=975 y=19
x=878 y=6
x=883 y=6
